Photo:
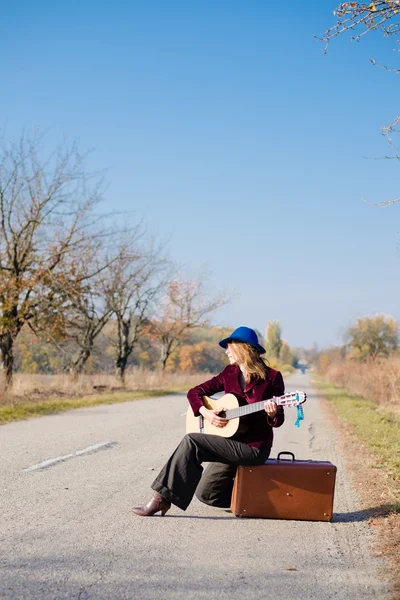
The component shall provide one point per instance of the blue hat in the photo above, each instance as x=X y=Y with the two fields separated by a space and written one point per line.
x=243 y=334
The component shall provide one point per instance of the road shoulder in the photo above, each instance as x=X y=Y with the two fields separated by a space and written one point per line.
x=371 y=483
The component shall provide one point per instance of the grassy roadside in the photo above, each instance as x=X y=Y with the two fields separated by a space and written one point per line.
x=370 y=440
x=377 y=427
x=25 y=410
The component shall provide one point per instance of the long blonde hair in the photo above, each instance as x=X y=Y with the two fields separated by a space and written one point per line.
x=250 y=359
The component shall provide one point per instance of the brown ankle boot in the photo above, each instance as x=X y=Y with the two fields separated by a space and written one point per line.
x=156 y=504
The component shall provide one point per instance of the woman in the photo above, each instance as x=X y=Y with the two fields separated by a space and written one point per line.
x=250 y=380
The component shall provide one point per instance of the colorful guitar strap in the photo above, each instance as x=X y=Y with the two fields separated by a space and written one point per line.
x=300 y=413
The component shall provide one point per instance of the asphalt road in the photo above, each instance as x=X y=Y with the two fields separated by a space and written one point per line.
x=66 y=530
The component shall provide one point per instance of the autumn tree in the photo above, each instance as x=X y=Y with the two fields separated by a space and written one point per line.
x=202 y=356
x=45 y=207
x=359 y=19
x=185 y=306
x=34 y=355
x=286 y=356
x=273 y=340
x=373 y=337
x=329 y=356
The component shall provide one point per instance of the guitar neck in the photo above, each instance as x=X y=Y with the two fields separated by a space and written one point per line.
x=248 y=409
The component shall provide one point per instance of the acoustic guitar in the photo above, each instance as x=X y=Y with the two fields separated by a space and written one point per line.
x=233 y=412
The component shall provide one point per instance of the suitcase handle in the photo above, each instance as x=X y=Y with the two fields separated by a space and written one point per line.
x=291 y=454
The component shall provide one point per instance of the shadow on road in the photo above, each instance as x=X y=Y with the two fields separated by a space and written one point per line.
x=376 y=512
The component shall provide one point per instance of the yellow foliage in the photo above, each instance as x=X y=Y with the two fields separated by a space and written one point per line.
x=28 y=364
x=192 y=356
x=287 y=369
x=144 y=358
x=274 y=364
x=373 y=337
x=187 y=358
x=323 y=362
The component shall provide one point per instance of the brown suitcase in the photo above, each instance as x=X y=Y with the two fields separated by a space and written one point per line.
x=285 y=489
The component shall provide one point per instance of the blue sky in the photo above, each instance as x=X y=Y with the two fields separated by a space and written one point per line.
x=227 y=129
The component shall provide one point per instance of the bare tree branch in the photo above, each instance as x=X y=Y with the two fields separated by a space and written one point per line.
x=361 y=18
x=133 y=289
x=45 y=212
x=185 y=306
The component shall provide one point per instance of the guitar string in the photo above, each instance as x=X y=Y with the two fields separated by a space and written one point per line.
x=247 y=409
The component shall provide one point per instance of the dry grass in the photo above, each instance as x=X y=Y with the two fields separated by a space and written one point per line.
x=379 y=382
x=37 y=388
x=365 y=399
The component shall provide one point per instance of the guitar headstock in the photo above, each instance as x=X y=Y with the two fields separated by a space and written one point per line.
x=291 y=399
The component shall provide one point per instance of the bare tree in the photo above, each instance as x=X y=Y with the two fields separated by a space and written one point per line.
x=87 y=306
x=133 y=287
x=45 y=207
x=184 y=307
x=358 y=19
x=89 y=313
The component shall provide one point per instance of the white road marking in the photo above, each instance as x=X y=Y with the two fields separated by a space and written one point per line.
x=53 y=461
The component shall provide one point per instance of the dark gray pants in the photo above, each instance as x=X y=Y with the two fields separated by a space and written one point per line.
x=180 y=477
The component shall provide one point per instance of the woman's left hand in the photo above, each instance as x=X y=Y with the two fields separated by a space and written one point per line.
x=270 y=408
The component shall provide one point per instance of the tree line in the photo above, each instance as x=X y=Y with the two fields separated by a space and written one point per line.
x=369 y=340
x=67 y=271
x=198 y=351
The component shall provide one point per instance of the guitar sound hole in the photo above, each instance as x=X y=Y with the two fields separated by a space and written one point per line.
x=222 y=414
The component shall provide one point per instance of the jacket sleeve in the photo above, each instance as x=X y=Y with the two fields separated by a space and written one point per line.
x=212 y=386
x=278 y=389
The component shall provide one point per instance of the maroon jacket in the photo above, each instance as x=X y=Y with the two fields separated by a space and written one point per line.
x=259 y=431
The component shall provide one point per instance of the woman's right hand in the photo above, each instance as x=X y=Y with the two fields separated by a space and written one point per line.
x=212 y=416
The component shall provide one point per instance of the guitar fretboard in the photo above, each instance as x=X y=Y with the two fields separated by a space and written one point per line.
x=290 y=399
x=241 y=411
